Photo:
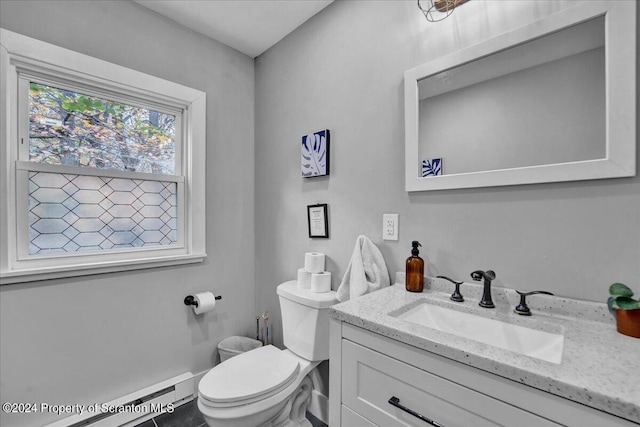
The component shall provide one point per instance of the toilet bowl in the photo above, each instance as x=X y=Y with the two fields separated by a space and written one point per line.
x=255 y=388
x=268 y=386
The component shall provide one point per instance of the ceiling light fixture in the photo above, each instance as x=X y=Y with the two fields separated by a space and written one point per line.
x=437 y=10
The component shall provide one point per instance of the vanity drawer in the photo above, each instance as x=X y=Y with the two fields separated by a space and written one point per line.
x=370 y=379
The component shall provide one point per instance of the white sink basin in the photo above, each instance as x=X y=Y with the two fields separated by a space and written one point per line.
x=530 y=342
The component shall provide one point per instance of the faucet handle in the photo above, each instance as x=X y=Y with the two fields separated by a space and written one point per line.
x=456 y=295
x=487 y=275
x=522 y=308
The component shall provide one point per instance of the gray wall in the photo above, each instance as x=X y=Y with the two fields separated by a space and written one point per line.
x=87 y=340
x=343 y=70
x=91 y=339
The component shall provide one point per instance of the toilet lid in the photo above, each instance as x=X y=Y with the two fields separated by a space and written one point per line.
x=249 y=375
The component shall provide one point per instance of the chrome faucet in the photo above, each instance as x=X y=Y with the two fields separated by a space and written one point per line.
x=488 y=276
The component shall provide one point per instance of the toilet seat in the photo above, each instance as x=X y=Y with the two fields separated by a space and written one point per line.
x=249 y=377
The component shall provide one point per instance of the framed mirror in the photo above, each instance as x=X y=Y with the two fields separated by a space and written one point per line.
x=552 y=101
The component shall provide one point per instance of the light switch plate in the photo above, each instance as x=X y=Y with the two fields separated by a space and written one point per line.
x=389 y=226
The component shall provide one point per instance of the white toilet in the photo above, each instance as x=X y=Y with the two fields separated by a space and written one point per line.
x=268 y=386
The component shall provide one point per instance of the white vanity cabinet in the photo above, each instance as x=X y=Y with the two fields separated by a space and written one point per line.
x=370 y=379
x=368 y=370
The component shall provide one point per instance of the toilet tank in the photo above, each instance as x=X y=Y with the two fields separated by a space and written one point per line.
x=305 y=320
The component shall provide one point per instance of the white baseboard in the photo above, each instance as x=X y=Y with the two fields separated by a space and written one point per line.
x=196 y=380
x=137 y=406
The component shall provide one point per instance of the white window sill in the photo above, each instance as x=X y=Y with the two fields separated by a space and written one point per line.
x=47 y=273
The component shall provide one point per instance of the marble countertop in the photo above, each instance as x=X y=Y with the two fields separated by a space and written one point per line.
x=599 y=366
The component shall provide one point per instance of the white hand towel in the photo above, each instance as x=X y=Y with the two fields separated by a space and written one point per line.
x=366 y=272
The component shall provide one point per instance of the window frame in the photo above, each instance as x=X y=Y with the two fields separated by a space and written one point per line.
x=24 y=59
x=24 y=166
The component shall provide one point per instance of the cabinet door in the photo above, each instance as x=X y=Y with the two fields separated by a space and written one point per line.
x=351 y=419
x=370 y=379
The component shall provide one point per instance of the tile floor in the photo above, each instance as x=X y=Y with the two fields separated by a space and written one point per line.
x=188 y=415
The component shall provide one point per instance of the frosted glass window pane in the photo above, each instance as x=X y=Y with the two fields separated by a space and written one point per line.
x=74 y=129
x=96 y=217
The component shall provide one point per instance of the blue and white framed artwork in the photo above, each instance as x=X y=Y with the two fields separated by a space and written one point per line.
x=432 y=167
x=314 y=160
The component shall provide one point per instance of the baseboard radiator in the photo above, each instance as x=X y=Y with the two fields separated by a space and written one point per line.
x=134 y=407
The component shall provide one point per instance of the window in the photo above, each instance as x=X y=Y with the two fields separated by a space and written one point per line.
x=71 y=210
x=104 y=166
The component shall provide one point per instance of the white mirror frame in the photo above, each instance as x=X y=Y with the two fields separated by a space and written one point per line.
x=620 y=80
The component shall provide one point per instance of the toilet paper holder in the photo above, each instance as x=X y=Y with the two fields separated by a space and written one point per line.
x=190 y=300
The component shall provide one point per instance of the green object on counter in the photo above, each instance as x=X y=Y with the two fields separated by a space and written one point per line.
x=621 y=298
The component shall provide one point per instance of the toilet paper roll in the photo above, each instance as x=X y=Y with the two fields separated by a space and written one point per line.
x=321 y=282
x=304 y=279
x=206 y=302
x=314 y=262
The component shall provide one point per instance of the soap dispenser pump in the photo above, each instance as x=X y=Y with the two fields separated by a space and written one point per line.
x=414 y=277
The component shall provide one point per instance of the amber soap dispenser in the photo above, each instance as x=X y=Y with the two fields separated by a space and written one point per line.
x=414 y=280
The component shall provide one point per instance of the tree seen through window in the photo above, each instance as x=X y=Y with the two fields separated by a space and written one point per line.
x=74 y=129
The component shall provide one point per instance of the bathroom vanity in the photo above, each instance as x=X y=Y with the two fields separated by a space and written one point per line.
x=388 y=368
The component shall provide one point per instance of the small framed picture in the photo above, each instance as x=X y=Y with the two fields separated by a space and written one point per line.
x=318 y=221
x=432 y=167
x=314 y=158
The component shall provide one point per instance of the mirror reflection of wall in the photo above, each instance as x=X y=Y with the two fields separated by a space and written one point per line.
x=539 y=103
